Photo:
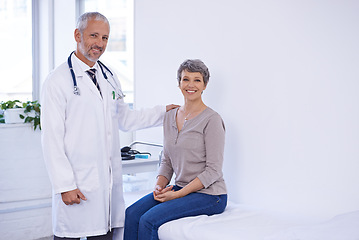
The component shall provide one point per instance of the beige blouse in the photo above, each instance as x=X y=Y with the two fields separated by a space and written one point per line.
x=195 y=151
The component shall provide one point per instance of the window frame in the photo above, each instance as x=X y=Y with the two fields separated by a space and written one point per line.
x=35 y=50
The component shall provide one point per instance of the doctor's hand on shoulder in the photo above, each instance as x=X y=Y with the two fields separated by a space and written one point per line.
x=171 y=106
x=73 y=196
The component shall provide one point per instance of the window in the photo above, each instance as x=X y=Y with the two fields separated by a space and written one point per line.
x=16 y=42
x=119 y=52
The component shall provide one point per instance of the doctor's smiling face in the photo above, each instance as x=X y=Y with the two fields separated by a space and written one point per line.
x=92 y=42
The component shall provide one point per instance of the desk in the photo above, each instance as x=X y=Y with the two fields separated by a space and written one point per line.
x=139 y=165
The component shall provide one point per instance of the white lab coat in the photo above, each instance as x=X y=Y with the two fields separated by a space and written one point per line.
x=80 y=138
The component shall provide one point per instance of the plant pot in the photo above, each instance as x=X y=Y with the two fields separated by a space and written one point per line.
x=13 y=115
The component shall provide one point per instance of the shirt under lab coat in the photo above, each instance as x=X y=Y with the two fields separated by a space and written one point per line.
x=80 y=138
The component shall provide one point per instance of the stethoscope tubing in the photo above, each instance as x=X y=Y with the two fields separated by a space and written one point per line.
x=102 y=66
x=76 y=90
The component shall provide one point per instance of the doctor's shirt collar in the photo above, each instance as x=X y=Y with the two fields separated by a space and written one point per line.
x=84 y=67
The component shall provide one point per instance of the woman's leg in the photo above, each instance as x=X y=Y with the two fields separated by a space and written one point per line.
x=193 y=204
x=134 y=213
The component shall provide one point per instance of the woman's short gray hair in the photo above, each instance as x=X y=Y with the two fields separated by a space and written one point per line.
x=194 y=65
x=84 y=18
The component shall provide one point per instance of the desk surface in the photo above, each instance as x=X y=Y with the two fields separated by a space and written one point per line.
x=139 y=165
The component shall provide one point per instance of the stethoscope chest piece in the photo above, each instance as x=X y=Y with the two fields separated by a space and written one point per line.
x=117 y=91
x=76 y=91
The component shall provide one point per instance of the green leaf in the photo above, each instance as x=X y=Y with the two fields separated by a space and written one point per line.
x=28 y=119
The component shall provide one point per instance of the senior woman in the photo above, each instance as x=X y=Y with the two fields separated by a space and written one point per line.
x=193 y=149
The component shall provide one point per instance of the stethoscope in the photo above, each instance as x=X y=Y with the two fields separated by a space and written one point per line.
x=117 y=91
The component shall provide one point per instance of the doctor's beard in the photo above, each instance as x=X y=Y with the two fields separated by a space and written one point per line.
x=86 y=54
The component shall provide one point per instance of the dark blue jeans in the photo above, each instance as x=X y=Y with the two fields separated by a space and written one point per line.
x=144 y=217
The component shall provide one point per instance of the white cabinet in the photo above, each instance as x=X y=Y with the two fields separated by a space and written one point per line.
x=25 y=189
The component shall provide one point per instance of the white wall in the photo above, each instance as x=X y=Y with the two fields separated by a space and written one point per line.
x=285 y=80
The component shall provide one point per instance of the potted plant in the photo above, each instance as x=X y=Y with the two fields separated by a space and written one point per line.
x=32 y=113
x=11 y=111
x=15 y=111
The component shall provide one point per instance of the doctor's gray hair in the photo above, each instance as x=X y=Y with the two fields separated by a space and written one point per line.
x=84 y=18
x=194 y=65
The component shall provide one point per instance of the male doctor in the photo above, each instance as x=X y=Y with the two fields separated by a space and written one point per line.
x=80 y=137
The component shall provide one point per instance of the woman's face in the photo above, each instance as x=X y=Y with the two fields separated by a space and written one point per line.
x=191 y=85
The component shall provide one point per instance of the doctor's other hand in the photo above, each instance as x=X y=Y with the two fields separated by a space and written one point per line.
x=73 y=196
x=171 y=106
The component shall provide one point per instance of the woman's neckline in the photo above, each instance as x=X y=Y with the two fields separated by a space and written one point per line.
x=181 y=124
x=192 y=116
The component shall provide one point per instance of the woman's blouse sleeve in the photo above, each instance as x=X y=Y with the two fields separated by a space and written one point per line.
x=214 y=138
x=165 y=169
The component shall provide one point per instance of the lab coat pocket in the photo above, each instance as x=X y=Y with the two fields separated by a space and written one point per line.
x=87 y=178
x=114 y=107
